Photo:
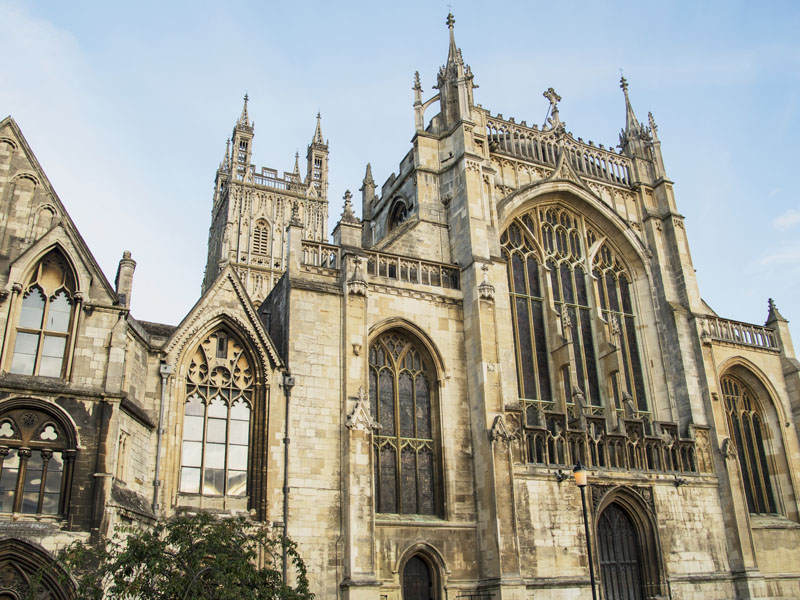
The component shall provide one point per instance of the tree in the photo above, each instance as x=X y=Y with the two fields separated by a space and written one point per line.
x=198 y=556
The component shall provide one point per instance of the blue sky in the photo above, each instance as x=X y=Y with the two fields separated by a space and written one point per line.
x=128 y=106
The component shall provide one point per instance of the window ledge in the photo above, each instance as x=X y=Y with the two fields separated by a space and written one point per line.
x=760 y=521
x=410 y=520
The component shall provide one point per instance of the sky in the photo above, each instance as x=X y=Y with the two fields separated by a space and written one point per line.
x=127 y=106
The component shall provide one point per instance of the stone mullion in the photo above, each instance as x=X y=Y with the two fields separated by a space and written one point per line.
x=46 y=456
x=23 y=454
x=68 y=456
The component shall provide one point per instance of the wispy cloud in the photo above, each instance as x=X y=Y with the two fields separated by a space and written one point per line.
x=787 y=220
x=782 y=254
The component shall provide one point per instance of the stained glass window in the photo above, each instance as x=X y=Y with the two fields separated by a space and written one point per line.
x=616 y=304
x=45 y=319
x=746 y=427
x=401 y=384
x=216 y=419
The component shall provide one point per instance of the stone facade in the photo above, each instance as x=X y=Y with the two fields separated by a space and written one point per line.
x=514 y=301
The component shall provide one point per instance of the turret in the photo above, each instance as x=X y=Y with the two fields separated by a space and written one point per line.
x=317 y=157
x=123 y=282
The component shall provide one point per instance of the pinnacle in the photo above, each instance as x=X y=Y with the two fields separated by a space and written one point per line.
x=318 y=132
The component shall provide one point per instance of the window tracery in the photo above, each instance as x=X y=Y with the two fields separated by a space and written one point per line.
x=45 y=319
x=401 y=390
x=216 y=422
x=746 y=427
x=616 y=305
x=555 y=255
x=36 y=456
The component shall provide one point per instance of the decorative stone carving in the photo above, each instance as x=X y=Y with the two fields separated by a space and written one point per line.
x=360 y=418
x=499 y=431
x=357 y=285
x=703 y=451
x=348 y=216
x=728 y=449
x=486 y=289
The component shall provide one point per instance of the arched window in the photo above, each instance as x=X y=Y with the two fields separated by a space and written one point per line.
x=746 y=427
x=45 y=319
x=398 y=215
x=261 y=238
x=402 y=388
x=216 y=418
x=553 y=256
x=36 y=454
x=21 y=569
x=616 y=304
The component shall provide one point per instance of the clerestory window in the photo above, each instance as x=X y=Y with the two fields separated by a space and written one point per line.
x=216 y=418
x=45 y=319
x=402 y=387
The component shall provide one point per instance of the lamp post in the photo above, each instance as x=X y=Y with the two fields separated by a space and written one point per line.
x=580 y=480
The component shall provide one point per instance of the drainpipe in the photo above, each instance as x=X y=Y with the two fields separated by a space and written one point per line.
x=288 y=384
x=165 y=373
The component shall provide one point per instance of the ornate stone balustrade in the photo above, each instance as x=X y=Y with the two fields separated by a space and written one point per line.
x=317 y=254
x=269 y=178
x=553 y=439
x=542 y=146
x=412 y=270
x=736 y=332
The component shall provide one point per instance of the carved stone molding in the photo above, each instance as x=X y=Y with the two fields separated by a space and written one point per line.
x=486 y=289
x=360 y=418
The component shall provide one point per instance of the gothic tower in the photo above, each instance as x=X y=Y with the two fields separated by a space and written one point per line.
x=252 y=207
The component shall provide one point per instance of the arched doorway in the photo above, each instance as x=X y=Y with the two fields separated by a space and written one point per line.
x=620 y=555
x=417 y=580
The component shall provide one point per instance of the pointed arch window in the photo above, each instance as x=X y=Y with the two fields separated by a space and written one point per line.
x=216 y=418
x=746 y=426
x=36 y=455
x=402 y=387
x=45 y=319
x=554 y=260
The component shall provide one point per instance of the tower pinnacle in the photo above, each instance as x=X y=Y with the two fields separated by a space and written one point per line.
x=318 y=132
x=244 y=120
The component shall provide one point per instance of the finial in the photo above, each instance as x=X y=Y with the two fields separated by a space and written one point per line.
x=773 y=315
x=297 y=164
x=553 y=119
x=450 y=20
x=368 y=176
x=348 y=216
x=417 y=84
x=623 y=83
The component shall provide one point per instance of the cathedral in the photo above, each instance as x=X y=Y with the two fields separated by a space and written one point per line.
x=408 y=400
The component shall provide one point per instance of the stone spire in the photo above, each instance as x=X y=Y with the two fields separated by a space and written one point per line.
x=244 y=120
x=633 y=138
x=453 y=53
x=318 y=139
x=226 y=160
x=367 y=194
x=296 y=171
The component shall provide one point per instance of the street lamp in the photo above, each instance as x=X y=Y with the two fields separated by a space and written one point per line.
x=580 y=480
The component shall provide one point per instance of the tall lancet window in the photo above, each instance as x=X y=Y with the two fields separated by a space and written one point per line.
x=45 y=319
x=746 y=427
x=561 y=238
x=216 y=421
x=402 y=388
x=527 y=313
x=616 y=304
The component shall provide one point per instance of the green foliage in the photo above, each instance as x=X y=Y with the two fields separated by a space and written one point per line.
x=198 y=557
